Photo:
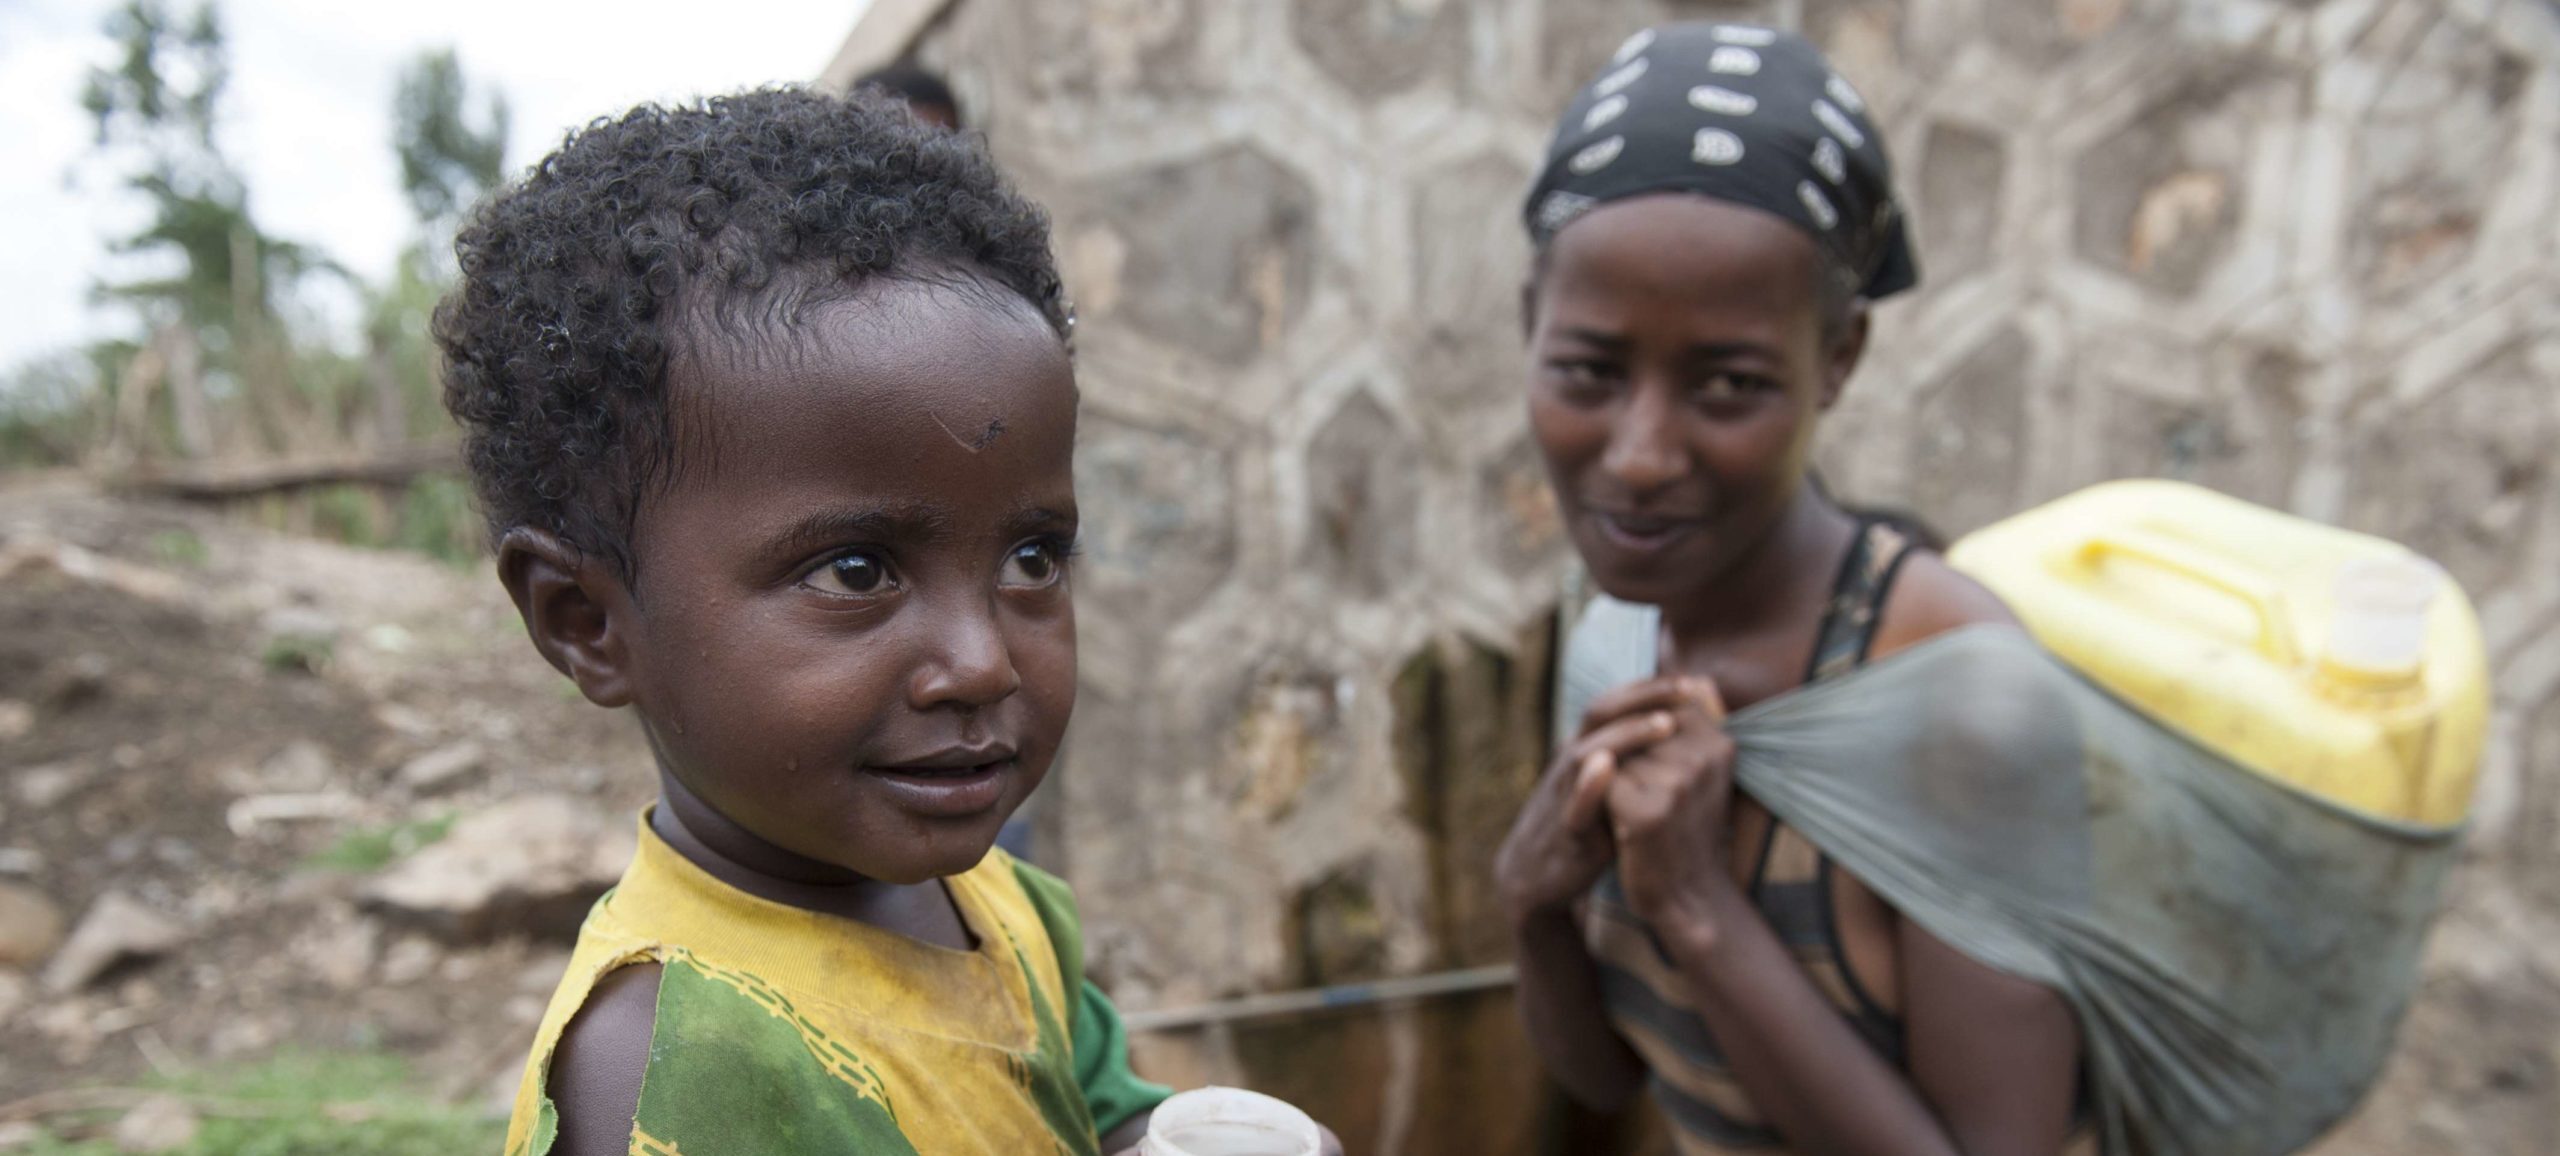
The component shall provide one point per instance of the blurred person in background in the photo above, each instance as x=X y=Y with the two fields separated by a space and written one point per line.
x=926 y=94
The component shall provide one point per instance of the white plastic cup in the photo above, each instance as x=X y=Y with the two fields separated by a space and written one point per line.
x=1229 y=1122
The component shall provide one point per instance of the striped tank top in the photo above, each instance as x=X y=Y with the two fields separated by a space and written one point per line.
x=1791 y=884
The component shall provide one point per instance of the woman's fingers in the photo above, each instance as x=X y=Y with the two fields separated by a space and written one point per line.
x=1590 y=789
x=1616 y=703
x=1623 y=736
x=1667 y=693
x=1634 y=801
x=1707 y=696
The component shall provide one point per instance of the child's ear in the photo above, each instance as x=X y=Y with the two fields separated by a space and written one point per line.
x=576 y=610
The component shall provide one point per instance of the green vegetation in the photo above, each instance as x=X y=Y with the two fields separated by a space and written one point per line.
x=179 y=548
x=373 y=849
x=50 y=408
x=297 y=1104
x=298 y=654
x=226 y=358
x=348 y=514
x=438 y=519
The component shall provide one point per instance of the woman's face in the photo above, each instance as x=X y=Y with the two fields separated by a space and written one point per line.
x=1678 y=363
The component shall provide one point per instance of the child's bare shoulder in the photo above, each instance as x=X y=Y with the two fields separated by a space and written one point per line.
x=594 y=1082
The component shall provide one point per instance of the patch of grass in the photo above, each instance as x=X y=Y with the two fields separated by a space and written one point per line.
x=297 y=653
x=348 y=514
x=180 y=548
x=49 y=408
x=373 y=849
x=297 y=1104
x=437 y=519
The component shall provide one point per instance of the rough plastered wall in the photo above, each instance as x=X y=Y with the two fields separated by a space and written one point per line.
x=2300 y=250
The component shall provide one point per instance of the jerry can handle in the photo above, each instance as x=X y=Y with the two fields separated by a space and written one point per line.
x=2264 y=599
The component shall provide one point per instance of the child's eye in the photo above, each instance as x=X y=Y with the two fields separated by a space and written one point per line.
x=859 y=575
x=1034 y=565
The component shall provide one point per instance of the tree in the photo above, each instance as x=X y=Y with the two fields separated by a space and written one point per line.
x=157 y=110
x=445 y=162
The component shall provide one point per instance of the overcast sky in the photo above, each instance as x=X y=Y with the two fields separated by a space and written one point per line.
x=308 y=117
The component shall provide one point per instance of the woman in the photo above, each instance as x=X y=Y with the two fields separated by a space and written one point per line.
x=1715 y=214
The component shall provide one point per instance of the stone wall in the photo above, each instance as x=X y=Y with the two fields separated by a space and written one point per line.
x=2300 y=250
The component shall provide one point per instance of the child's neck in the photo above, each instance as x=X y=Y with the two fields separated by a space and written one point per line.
x=737 y=857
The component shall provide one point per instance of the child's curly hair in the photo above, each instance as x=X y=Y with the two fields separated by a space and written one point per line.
x=581 y=284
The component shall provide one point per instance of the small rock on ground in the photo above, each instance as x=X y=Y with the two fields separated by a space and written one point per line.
x=117 y=928
x=159 y=1124
x=30 y=926
x=302 y=765
x=15 y=991
x=443 y=767
x=43 y=787
x=528 y=866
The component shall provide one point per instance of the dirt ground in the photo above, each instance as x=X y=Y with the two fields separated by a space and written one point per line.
x=197 y=665
x=192 y=712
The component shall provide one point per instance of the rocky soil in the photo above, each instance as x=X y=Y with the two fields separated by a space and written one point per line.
x=220 y=754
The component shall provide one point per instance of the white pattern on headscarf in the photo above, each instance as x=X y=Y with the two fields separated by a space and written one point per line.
x=1834 y=120
x=1846 y=96
x=1828 y=158
x=1617 y=82
x=1709 y=98
x=1604 y=112
x=1818 y=205
x=1716 y=146
x=1634 y=44
x=1597 y=155
x=1560 y=208
x=1733 y=61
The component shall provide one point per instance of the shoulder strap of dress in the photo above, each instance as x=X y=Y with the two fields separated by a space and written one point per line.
x=1858 y=594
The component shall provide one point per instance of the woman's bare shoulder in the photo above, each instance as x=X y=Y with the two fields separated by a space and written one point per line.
x=1931 y=598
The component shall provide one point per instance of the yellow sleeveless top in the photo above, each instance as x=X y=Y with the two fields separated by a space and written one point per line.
x=785 y=1030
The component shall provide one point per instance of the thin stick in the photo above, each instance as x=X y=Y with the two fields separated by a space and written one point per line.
x=1321 y=999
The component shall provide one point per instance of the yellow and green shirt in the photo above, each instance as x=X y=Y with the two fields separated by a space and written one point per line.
x=784 y=1030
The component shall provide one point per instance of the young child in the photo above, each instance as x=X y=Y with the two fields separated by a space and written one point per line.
x=770 y=404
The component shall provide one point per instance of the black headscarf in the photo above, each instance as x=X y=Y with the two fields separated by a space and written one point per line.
x=1739 y=113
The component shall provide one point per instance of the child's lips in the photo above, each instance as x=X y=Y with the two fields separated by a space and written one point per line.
x=959 y=756
x=946 y=792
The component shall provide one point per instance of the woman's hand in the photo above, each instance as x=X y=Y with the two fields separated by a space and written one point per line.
x=1560 y=843
x=1667 y=805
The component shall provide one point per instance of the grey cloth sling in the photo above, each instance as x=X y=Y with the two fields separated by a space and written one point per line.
x=2238 y=953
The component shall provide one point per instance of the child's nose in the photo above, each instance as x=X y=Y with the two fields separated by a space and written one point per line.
x=970 y=663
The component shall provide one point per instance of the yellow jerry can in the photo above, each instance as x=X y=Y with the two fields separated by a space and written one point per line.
x=2340 y=663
